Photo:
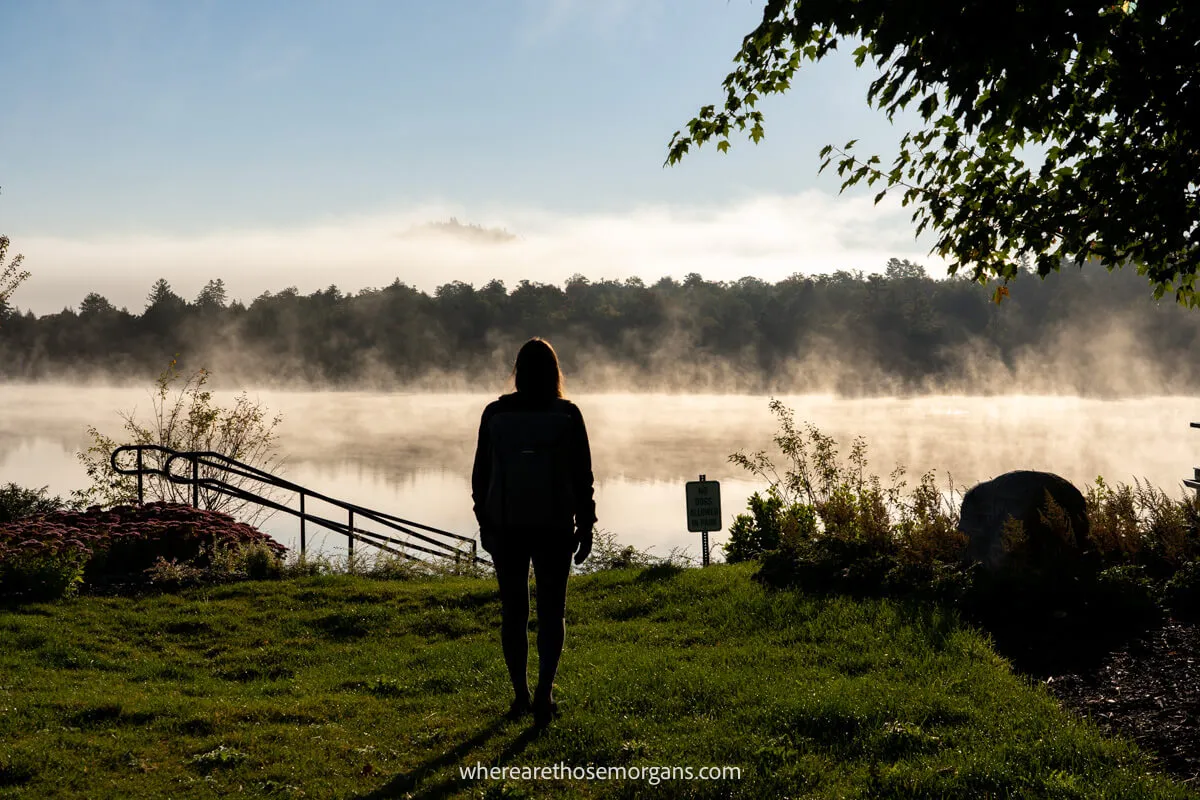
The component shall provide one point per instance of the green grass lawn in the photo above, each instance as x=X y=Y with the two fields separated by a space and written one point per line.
x=340 y=687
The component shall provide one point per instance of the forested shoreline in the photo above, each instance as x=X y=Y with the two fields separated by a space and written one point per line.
x=1085 y=331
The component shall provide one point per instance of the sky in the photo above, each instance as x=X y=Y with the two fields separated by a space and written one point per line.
x=306 y=144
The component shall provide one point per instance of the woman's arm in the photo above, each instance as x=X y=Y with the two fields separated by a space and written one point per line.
x=582 y=478
x=481 y=472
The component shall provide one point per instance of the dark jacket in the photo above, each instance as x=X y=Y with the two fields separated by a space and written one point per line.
x=581 y=466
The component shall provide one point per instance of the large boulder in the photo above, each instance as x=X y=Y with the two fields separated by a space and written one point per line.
x=1022 y=496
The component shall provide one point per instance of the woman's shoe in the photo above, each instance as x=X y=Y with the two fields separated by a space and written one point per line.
x=543 y=712
x=519 y=708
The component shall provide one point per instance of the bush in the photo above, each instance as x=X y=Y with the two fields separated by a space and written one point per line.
x=189 y=420
x=947 y=582
x=1139 y=524
x=765 y=527
x=230 y=560
x=128 y=545
x=42 y=574
x=755 y=533
x=1049 y=571
x=171 y=575
x=825 y=564
x=260 y=561
x=1125 y=598
x=17 y=502
x=1183 y=592
x=828 y=526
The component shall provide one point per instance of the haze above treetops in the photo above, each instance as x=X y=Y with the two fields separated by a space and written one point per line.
x=768 y=237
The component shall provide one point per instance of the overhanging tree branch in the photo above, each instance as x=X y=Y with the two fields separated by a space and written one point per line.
x=11 y=275
x=1110 y=91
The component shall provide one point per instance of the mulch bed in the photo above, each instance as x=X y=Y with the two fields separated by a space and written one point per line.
x=1149 y=691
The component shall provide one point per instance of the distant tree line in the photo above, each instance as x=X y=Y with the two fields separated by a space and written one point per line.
x=845 y=332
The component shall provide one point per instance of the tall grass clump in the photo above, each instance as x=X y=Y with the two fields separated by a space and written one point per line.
x=378 y=564
x=609 y=553
x=1142 y=539
x=1141 y=524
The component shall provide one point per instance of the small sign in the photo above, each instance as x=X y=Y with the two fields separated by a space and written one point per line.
x=704 y=505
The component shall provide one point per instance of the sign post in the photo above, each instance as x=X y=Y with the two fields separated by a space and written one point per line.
x=703 y=510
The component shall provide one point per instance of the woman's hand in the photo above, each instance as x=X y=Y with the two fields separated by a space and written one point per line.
x=488 y=540
x=583 y=545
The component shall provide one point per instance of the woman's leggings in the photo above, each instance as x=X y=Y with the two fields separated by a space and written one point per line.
x=551 y=567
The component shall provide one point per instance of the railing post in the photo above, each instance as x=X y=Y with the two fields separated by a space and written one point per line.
x=1194 y=483
x=139 y=475
x=195 y=481
x=302 y=523
x=351 y=533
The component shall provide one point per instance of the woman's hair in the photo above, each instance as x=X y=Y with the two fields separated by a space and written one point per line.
x=536 y=371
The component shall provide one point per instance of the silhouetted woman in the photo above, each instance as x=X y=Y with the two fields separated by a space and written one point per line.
x=532 y=487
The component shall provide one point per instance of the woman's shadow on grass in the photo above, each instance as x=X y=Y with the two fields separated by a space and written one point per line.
x=412 y=784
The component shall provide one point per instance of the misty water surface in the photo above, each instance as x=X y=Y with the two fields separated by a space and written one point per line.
x=410 y=454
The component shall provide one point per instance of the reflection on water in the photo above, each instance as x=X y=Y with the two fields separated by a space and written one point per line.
x=410 y=454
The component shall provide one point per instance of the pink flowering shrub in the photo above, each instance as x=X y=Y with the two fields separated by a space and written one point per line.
x=53 y=554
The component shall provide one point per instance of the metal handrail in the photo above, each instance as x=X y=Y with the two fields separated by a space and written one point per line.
x=1194 y=481
x=222 y=463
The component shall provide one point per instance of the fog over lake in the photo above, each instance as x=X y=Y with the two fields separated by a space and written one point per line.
x=411 y=454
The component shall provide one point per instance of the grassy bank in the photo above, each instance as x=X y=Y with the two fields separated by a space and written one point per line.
x=337 y=686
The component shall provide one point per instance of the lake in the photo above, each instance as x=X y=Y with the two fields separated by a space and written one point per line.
x=411 y=454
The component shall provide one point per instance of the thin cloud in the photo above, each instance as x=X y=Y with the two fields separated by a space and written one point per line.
x=548 y=18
